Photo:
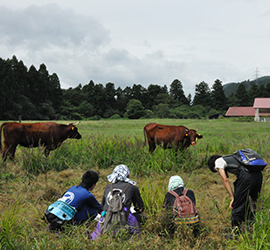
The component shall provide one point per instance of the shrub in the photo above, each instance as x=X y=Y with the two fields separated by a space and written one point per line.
x=115 y=116
x=95 y=118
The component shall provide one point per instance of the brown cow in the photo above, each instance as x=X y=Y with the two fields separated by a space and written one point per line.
x=169 y=136
x=50 y=135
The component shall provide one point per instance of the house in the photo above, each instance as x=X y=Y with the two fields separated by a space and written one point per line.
x=261 y=107
x=240 y=111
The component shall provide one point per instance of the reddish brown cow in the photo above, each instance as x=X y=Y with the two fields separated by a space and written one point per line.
x=50 y=135
x=169 y=136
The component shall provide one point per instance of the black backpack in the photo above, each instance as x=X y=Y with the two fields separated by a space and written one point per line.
x=250 y=160
x=115 y=220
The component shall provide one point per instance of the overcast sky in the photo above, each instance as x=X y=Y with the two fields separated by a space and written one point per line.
x=143 y=42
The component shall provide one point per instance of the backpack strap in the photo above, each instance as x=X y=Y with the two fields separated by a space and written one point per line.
x=173 y=193
x=185 y=191
x=176 y=195
x=123 y=191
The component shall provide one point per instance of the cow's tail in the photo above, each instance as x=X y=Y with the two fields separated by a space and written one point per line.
x=5 y=123
x=144 y=133
x=1 y=136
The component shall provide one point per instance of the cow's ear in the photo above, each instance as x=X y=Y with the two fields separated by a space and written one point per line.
x=199 y=136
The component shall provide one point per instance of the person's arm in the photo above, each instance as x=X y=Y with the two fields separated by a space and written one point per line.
x=226 y=184
x=166 y=202
x=137 y=201
x=191 y=196
x=91 y=201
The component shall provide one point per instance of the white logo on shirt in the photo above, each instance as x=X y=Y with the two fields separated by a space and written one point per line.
x=68 y=197
x=109 y=196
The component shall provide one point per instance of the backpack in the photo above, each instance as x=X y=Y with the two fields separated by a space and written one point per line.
x=115 y=220
x=250 y=160
x=58 y=213
x=184 y=210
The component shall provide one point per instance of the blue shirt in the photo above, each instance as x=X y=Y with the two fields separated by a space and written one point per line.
x=79 y=197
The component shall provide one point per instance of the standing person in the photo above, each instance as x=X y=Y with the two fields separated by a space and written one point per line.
x=80 y=199
x=247 y=187
x=120 y=181
x=176 y=187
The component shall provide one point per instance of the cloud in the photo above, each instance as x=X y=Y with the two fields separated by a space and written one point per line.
x=36 y=28
x=139 y=43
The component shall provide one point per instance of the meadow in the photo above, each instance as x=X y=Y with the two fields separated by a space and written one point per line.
x=33 y=182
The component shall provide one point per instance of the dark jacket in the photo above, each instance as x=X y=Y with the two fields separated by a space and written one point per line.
x=169 y=198
x=131 y=196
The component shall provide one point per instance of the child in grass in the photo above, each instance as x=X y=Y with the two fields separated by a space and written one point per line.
x=176 y=186
x=80 y=199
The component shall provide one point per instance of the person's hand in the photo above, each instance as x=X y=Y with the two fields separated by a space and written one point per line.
x=231 y=207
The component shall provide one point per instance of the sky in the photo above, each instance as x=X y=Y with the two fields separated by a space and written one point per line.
x=145 y=42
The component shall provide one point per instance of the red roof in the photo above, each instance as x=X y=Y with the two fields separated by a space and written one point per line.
x=261 y=103
x=240 y=111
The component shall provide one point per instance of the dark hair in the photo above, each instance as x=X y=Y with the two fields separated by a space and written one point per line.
x=89 y=178
x=211 y=162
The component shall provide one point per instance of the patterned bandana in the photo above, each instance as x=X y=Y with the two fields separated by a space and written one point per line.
x=175 y=182
x=120 y=173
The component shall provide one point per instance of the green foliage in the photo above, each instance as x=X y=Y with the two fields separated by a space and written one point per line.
x=115 y=116
x=13 y=227
x=243 y=119
x=241 y=96
x=161 y=110
x=94 y=118
x=36 y=95
x=202 y=95
x=219 y=100
x=135 y=109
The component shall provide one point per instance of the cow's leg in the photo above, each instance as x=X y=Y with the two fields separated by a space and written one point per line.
x=152 y=146
x=9 y=151
x=4 y=154
x=46 y=151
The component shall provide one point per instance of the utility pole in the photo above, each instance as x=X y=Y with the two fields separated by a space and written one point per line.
x=257 y=75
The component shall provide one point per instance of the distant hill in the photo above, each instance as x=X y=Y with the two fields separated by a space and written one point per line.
x=230 y=88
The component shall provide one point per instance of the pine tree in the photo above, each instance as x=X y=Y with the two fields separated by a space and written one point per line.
x=177 y=92
x=202 y=95
x=241 y=95
x=219 y=101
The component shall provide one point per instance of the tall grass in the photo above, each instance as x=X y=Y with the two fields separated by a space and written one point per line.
x=14 y=228
x=97 y=151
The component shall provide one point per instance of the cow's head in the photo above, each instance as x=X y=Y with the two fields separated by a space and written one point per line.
x=73 y=131
x=192 y=136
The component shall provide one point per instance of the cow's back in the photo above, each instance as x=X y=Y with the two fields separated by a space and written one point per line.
x=168 y=133
x=28 y=134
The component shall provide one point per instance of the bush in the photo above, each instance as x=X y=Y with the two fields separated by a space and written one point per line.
x=95 y=118
x=244 y=119
x=135 y=109
x=115 y=116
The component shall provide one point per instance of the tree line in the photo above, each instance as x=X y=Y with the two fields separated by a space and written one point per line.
x=34 y=94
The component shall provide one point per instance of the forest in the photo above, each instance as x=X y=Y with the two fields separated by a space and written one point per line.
x=34 y=94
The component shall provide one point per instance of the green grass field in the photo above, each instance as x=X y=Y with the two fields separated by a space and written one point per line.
x=33 y=182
